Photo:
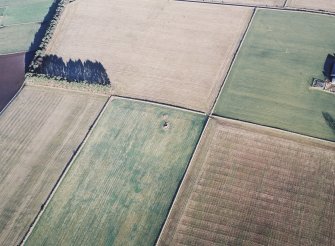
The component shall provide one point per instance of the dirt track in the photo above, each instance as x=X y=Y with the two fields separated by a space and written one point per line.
x=11 y=76
x=166 y=51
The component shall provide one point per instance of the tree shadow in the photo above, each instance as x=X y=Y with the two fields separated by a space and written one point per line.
x=330 y=120
x=41 y=33
x=74 y=70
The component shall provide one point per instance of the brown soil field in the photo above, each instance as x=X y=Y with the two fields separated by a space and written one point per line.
x=12 y=76
x=166 y=51
x=251 y=185
x=312 y=4
x=39 y=132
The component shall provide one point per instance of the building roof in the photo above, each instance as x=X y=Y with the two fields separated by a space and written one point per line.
x=329 y=68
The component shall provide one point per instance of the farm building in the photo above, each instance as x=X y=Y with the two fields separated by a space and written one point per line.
x=329 y=73
x=329 y=68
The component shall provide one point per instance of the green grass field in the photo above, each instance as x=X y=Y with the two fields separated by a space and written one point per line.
x=17 y=38
x=26 y=13
x=121 y=185
x=269 y=82
x=21 y=21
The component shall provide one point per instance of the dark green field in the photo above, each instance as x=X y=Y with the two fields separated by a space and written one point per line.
x=121 y=185
x=269 y=82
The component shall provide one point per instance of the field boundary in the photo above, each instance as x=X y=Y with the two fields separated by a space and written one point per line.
x=280 y=132
x=13 y=98
x=64 y=172
x=233 y=60
x=51 y=19
x=65 y=89
x=46 y=85
x=273 y=127
x=284 y=8
x=24 y=23
x=161 y=104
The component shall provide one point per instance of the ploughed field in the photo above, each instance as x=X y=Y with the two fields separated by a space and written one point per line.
x=165 y=51
x=251 y=185
x=120 y=186
x=11 y=76
x=269 y=83
x=39 y=133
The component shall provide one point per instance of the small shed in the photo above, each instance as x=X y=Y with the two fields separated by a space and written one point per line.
x=329 y=67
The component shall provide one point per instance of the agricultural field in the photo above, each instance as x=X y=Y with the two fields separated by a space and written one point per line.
x=39 y=133
x=164 y=51
x=312 y=4
x=20 y=21
x=26 y=12
x=18 y=38
x=269 y=83
x=120 y=186
x=2 y=10
x=11 y=77
x=251 y=185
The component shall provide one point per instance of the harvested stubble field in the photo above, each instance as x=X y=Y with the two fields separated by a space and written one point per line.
x=269 y=3
x=38 y=133
x=120 y=187
x=327 y=5
x=166 y=51
x=251 y=185
x=269 y=83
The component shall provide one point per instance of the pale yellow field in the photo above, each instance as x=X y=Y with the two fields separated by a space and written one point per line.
x=166 y=51
x=39 y=133
x=251 y=185
x=328 y=5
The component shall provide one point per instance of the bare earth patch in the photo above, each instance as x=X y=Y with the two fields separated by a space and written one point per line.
x=327 y=5
x=166 y=51
x=11 y=76
x=39 y=133
x=251 y=185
